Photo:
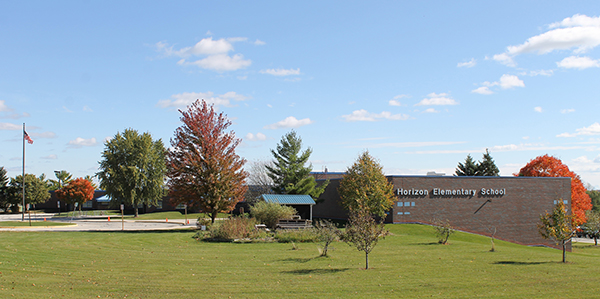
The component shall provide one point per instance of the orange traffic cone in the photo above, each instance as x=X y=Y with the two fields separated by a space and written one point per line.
x=108 y=218
x=167 y=219
x=44 y=218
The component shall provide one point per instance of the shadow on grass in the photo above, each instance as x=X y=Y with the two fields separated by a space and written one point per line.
x=315 y=271
x=300 y=260
x=162 y=231
x=519 y=263
x=431 y=243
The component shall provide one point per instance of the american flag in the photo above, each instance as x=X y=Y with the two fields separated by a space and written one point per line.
x=26 y=136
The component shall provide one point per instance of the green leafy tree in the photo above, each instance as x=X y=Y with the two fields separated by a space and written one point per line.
x=4 y=187
x=469 y=168
x=289 y=172
x=132 y=169
x=363 y=232
x=487 y=166
x=365 y=187
x=595 y=198
x=204 y=169
x=63 y=177
x=592 y=226
x=558 y=227
x=36 y=190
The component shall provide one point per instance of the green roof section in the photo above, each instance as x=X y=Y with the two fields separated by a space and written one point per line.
x=289 y=199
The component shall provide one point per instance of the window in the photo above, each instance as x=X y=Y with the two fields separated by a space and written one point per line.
x=399 y=203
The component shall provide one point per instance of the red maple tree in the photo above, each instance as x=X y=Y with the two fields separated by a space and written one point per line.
x=204 y=170
x=77 y=191
x=548 y=166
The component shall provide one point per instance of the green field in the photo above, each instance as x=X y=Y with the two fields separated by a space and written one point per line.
x=407 y=264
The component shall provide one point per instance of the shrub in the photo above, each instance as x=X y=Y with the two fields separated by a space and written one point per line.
x=327 y=233
x=297 y=235
x=270 y=213
x=234 y=228
x=443 y=230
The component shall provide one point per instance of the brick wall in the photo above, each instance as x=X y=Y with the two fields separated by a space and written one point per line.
x=510 y=205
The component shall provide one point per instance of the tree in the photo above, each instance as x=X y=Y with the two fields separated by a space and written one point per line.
x=36 y=190
x=327 y=233
x=4 y=194
x=469 y=168
x=77 y=191
x=258 y=180
x=289 y=173
x=557 y=226
x=443 y=230
x=592 y=226
x=365 y=187
x=363 y=232
x=487 y=166
x=132 y=170
x=595 y=198
x=548 y=166
x=63 y=177
x=204 y=170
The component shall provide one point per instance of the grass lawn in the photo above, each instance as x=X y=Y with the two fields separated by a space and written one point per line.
x=33 y=223
x=407 y=264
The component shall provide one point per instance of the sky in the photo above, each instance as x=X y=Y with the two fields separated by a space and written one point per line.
x=419 y=84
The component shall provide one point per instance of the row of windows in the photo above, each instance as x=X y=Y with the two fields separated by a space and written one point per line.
x=406 y=204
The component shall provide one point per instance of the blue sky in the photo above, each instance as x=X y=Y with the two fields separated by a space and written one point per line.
x=420 y=85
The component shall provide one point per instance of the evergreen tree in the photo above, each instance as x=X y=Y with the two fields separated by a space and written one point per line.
x=469 y=168
x=289 y=173
x=487 y=167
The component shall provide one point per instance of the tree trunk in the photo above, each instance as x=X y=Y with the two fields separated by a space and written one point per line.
x=564 y=247
x=595 y=241
x=135 y=208
x=366 y=260
x=213 y=216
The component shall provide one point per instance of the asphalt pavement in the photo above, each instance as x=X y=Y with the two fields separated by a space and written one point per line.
x=94 y=223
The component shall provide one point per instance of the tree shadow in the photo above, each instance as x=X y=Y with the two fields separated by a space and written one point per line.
x=519 y=263
x=430 y=243
x=299 y=259
x=315 y=271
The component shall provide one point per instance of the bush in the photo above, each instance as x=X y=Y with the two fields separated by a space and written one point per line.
x=443 y=230
x=327 y=233
x=231 y=229
x=270 y=213
x=297 y=235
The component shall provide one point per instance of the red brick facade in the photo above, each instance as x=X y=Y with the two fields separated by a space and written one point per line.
x=509 y=205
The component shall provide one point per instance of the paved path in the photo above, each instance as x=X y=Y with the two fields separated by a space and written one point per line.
x=95 y=223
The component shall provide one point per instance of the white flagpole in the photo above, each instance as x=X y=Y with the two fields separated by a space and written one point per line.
x=23 y=214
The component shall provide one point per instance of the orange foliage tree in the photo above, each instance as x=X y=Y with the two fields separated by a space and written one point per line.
x=77 y=191
x=203 y=168
x=548 y=166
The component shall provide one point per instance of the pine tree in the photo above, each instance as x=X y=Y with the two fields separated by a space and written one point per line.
x=289 y=173
x=469 y=168
x=487 y=167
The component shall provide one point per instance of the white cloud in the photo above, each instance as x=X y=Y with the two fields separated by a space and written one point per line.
x=257 y=137
x=80 y=142
x=3 y=107
x=482 y=90
x=546 y=73
x=87 y=108
x=504 y=59
x=216 y=52
x=364 y=115
x=567 y=111
x=576 y=62
x=593 y=129
x=537 y=109
x=510 y=81
x=437 y=100
x=258 y=42
x=579 y=33
x=220 y=62
x=413 y=144
x=49 y=157
x=400 y=96
x=430 y=110
x=290 y=122
x=470 y=63
x=281 y=72
x=394 y=103
x=9 y=127
x=182 y=100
